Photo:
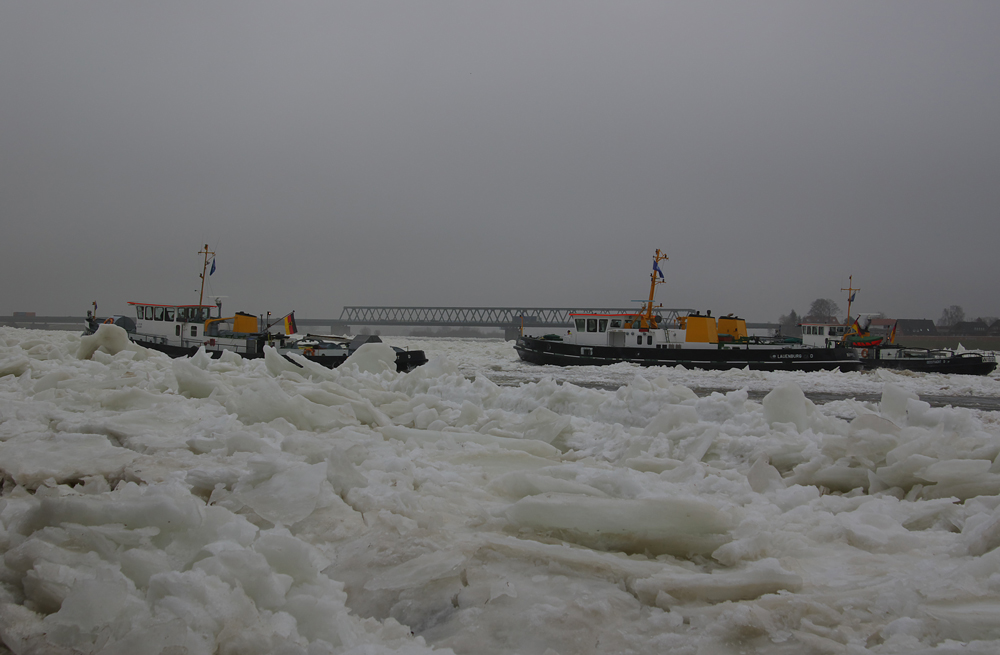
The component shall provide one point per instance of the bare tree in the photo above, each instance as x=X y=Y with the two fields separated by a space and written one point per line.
x=951 y=315
x=823 y=309
x=790 y=324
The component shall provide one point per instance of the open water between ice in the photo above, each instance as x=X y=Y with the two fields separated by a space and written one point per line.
x=480 y=505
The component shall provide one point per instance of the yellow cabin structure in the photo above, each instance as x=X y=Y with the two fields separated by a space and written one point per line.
x=244 y=323
x=733 y=326
x=699 y=329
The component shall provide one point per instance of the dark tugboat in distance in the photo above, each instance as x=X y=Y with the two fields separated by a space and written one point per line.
x=883 y=352
x=181 y=330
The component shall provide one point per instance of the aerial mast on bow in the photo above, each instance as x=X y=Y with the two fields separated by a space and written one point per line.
x=204 y=268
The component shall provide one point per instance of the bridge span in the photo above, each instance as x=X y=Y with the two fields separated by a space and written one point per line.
x=509 y=319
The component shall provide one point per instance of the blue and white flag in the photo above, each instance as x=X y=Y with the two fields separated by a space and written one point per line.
x=213 y=266
x=656 y=267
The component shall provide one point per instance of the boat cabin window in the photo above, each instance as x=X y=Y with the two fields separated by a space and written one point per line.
x=182 y=314
x=168 y=314
x=602 y=325
x=581 y=325
x=616 y=323
x=138 y=312
x=149 y=313
x=157 y=313
x=649 y=339
x=591 y=325
x=177 y=330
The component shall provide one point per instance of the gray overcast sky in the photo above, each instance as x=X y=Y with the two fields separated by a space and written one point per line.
x=500 y=153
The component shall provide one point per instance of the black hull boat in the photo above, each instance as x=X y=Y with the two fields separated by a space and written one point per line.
x=693 y=341
x=923 y=360
x=181 y=330
x=877 y=352
x=332 y=351
x=762 y=357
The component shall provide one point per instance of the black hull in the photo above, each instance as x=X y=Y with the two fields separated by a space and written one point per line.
x=558 y=353
x=965 y=364
x=406 y=360
x=182 y=351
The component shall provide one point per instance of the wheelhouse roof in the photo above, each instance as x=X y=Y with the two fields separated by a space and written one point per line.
x=153 y=304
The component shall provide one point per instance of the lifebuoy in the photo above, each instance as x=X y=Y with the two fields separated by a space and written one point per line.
x=109 y=320
x=864 y=353
x=309 y=351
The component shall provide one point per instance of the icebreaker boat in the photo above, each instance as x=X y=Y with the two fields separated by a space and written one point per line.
x=694 y=341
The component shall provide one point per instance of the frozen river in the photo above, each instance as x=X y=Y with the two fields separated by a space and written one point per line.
x=481 y=505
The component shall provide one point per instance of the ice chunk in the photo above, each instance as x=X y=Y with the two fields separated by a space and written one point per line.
x=671 y=418
x=372 y=358
x=192 y=381
x=875 y=423
x=264 y=400
x=15 y=365
x=282 y=492
x=165 y=507
x=249 y=570
x=276 y=364
x=47 y=381
x=110 y=338
x=894 y=402
x=419 y=571
x=545 y=425
x=758 y=578
x=290 y=556
x=653 y=464
x=764 y=477
x=968 y=621
x=62 y=456
x=518 y=484
x=680 y=526
x=537 y=448
x=91 y=604
x=787 y=404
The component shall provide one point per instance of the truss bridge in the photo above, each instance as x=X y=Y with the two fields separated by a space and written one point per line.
x=509 y=319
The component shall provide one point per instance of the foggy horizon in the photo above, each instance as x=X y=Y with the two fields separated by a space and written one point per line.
x=511 y=154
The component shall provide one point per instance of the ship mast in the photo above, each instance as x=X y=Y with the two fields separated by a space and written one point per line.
x=647 y=319
x=204 y=268
x=850 y=294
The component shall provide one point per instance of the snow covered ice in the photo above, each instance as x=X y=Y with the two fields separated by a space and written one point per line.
x=479 y=505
